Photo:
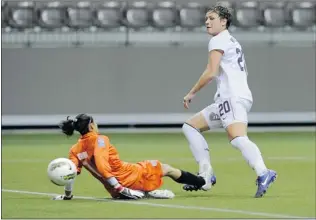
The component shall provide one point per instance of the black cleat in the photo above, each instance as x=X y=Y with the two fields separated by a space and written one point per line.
x=191 y=188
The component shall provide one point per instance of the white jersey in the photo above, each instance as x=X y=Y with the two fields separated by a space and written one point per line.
x=232 y=78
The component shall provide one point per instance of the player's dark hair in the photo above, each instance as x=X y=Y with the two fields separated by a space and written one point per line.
x=80 y=124
x=223 y=12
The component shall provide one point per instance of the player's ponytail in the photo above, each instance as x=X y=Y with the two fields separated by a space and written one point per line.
x=67 y=126
x=80 y=124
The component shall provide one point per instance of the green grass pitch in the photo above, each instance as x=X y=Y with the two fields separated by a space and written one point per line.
x=292 y=155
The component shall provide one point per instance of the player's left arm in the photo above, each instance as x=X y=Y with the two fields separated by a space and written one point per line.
x=211 y=70
x=101 y=156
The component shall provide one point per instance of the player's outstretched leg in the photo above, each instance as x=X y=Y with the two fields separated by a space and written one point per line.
x=192 y=129
x=198 y=146
x=184 y=177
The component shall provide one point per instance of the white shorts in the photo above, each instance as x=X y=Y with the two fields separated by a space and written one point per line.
x=225 y=112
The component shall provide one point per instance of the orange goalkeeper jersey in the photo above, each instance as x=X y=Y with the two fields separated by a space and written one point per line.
x=97 y=150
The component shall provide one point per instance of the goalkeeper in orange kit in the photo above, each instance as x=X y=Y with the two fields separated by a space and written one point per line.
x=121 y=179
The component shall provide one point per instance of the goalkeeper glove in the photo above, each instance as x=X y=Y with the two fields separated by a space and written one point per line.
x=126 y=193
x=63 y=197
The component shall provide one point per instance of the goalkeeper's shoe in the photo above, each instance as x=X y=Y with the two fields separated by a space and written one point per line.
x=211 y=182
x=160 y=194
x=263 y=182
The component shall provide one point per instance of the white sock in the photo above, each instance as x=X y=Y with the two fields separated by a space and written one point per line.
x=251 y=153
x=198 y=146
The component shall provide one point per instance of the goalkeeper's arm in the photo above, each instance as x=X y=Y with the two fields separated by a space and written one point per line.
x=68 y=192
x=103 y=169
x=112 y=183
x=124 y=192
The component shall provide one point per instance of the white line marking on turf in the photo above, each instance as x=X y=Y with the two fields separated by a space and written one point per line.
x=263 y=214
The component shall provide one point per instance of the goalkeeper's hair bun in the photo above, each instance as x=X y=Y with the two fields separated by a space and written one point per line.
x=67 y=126
x=80 y=124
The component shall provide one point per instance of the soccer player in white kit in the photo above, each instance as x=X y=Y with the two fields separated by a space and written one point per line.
x=233 y=101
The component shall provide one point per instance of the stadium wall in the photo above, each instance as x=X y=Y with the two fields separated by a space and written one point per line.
x=128 y=86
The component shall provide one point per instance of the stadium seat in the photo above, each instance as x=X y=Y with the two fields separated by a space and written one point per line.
x=247 y=14
x=274 y=14
x=80 y=15
x=164 y=15
x=21 y=15
x=192 y=15
x=109 y=15
x=303 y=14
x=228 y=4
x=52 y=15
x=137 y=15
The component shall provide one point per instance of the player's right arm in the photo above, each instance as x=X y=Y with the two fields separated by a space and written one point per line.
x=216 y=50
x=73 y=157
x=69 y=187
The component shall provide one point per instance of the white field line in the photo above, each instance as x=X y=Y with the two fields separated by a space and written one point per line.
x=173 y=206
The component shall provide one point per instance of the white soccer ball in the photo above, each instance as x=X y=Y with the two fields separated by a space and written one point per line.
x=61 y=171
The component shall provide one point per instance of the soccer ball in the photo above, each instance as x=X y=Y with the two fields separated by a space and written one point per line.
x=61 y=171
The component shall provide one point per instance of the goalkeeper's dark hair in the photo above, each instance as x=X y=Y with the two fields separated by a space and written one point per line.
x=80 y=124
x=223 y=12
